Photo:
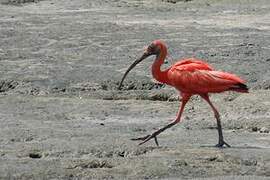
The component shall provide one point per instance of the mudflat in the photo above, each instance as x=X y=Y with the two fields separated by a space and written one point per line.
x=62 y=116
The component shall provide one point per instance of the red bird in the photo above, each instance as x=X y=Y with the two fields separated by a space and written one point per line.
x=191 y=77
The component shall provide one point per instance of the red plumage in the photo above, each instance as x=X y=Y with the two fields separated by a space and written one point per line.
x=197 y=77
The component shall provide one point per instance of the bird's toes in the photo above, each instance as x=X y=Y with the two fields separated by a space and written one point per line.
x=140 y=138
x=221 y=144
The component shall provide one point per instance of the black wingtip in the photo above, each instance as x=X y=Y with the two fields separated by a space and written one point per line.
x=240 y=87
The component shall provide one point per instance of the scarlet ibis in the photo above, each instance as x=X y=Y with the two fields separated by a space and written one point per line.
x=189 y=76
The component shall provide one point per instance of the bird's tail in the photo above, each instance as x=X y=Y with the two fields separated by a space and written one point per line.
x=239 y=87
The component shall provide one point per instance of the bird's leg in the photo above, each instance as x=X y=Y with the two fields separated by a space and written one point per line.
x=154 y=135
x=221 y=141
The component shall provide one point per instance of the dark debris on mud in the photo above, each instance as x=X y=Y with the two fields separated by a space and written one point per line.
x=90 y=164
x=122 y=152
x=131 y=85
x=18 y=2
x=7 y=85
x=107 y=90
x=175 y=1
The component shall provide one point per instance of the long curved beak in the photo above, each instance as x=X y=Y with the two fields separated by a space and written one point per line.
x=145 y=55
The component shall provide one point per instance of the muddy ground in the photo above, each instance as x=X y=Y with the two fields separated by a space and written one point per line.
x=62 y=116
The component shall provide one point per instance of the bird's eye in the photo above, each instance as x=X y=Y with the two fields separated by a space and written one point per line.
x=151 y=48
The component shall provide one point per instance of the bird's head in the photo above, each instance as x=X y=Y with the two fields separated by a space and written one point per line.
x=153 y=49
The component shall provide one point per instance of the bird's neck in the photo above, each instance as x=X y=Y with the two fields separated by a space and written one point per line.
x=159 y=75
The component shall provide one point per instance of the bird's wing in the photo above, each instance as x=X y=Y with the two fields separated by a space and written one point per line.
x=191 y=64
x=203 y=81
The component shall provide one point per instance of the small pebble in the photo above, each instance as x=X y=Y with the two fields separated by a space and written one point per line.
x=254 y=129
x=264 y=130
x=35 y=155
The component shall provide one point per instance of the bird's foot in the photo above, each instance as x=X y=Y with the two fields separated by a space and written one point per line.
x=221 y=144
x=154 y=135
x=146 y=138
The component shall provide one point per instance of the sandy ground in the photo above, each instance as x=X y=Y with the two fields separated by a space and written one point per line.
x=63 y=118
